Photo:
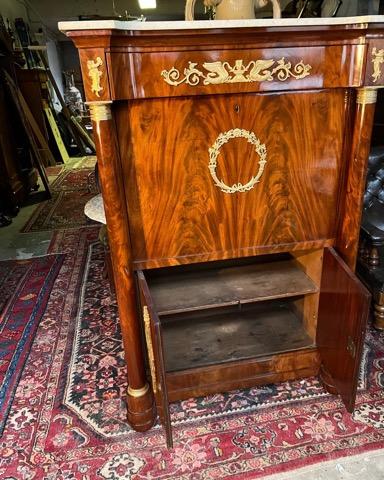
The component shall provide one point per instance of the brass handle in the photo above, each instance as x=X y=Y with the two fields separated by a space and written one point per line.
x=151 y=356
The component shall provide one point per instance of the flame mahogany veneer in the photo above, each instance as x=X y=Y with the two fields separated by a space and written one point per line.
x=168 y=221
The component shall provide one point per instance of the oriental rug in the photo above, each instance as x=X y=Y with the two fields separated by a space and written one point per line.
x=68 y=416
x=64 y=210
x=70 y=192
x=88 y=161
x=74 y=180
x=25 y=286
x=54 y=170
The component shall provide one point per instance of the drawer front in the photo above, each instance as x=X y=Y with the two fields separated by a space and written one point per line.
x=245 y=374
x=221 y=174
x=170 y=74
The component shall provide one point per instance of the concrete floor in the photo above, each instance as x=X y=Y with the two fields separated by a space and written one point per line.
x=367 y=466
x=14 y=244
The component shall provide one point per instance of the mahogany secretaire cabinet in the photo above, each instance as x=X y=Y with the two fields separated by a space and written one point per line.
x=232 y=158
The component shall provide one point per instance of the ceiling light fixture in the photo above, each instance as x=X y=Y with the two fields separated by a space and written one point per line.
x=146 y=4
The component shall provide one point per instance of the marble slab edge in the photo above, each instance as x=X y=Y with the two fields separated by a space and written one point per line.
x=208 y=24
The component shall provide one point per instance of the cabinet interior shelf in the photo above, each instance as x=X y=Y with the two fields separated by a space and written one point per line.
x=233 y=334
x=177 y=290
x=215 y=314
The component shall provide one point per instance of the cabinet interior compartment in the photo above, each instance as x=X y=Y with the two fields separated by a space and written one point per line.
x=231 y=311
x=232 y=334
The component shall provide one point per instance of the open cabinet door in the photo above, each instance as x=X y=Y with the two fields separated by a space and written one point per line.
x=153 y=338
x=343 y=313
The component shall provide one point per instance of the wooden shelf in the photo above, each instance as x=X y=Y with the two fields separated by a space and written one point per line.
x=263 y=329
x=185 y=291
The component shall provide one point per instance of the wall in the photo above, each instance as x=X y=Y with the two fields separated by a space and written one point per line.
x=358 y=7
x=53 y=11
x=11 y=9
x=71 y=63
x=54 y=62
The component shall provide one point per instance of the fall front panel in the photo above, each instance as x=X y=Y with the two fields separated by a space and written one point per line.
x=221 y=174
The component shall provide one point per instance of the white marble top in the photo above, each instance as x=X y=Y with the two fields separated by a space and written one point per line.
x=252 y=23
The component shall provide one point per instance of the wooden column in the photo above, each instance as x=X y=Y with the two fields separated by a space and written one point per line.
x=139 y=395
x=348 y=235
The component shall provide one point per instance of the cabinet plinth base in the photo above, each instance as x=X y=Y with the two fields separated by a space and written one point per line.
x=327 y=381
x=141 y=411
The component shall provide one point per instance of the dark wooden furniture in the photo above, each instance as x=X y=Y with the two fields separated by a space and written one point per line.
x=371 y=259
x=31 y=84
x=370 y=265
x=232 y=163
x=17 y=175
x=378 y=128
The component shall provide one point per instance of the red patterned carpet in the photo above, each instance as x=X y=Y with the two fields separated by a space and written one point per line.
x=25 y=286
x=75 y=180
x=68 y=416
x=70 y=192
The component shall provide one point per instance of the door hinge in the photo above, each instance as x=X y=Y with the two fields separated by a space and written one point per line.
x=351 y=347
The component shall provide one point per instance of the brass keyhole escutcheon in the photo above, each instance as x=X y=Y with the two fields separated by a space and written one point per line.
x=237 y=108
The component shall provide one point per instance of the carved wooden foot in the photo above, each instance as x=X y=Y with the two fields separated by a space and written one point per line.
x=378 y=310
x=374 y=259
x=369 y=254
x=327 y=381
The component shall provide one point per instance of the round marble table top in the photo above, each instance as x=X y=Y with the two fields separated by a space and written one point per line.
x=94 y=209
